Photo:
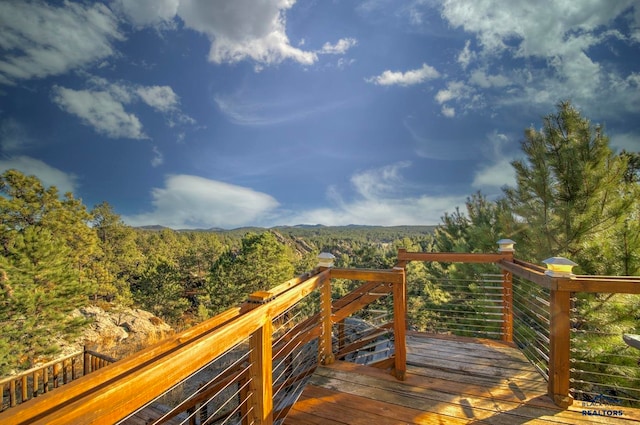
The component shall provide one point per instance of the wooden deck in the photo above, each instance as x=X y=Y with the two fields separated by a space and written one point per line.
x=449 y=381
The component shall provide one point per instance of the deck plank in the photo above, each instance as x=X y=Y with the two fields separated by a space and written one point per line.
x=448 y=381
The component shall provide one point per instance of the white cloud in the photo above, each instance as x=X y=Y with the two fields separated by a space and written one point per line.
x=384 y=181
x=415 y=76
x=480 y=78
x=50 y=176
x=340 y=48
x=456 y=90
x=242 y=111
x=100 y=110
x=378 y=202
x=536 y=31
x=40 y=39
x=559 y=33
x=102 y=106
x=158 y=158
x=195 y=202
x=244 y=29
x=147 y=12
x=448 y=111
x=160 y=98
x=495 y=175
x=466 y=56
x=627 y=141
x=496 y=171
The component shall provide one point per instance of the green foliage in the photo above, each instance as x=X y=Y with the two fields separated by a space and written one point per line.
x=120 y=260
x=39 y=292
x=568 y=188
x=159 y=290
x=261 y=263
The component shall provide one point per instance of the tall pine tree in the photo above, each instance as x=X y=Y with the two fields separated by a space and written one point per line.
x=568 y=187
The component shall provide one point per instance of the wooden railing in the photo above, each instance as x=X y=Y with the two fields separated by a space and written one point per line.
x=114 y=392
x=558 y=307
x=255 y=348
x=40 y=380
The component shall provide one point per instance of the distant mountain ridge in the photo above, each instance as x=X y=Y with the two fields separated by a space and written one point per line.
x=429 y=228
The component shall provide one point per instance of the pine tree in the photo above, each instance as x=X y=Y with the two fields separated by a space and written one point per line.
x=261 y=263
x=40 y=290
x=160 y=290
x=121 y=259
x=567 y=188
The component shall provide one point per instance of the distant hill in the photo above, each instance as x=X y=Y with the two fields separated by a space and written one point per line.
x=302 y=229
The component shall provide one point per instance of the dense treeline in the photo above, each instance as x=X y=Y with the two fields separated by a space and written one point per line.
x=573 y=197
x=56 y=255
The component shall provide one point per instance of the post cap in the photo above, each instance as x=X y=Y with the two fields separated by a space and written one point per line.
x=325 y=259
x=559 y=267
x=506 y=245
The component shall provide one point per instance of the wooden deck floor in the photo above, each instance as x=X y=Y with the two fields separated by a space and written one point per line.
x=449 y=381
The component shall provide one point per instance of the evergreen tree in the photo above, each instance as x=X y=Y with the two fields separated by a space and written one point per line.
x=39 y=292
x=568 y=188
x=160 y=290
x=261 y=263
x=121 y=259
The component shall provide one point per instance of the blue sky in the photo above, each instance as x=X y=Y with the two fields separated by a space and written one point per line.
x=229 y=113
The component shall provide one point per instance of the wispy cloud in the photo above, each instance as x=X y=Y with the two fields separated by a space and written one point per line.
x=242 y=111
x=496 y=170
x=36 y=46
x=378 y=202
x=13 y=136
x=158 y=158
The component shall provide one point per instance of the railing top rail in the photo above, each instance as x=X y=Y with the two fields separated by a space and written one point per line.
x=453 y=257
x=128 y=384
x=369 y=275
x=533 y=272
x=37 y=368
x=601 y=284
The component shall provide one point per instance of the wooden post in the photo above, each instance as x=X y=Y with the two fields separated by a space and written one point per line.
x=507 y=306
x=559 y=347
x=400 y=325
x=326 y=349
x=86 y=362
x=12 y=393
x=45 y=380
x=261 y=372
x=505 y=247
x=24 y=389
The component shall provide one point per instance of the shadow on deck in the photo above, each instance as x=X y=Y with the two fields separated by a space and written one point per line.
x=449 y=380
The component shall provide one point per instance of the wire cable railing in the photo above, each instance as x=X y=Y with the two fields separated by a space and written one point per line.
x=602 y=365
x=465 y=307
x=531 y=323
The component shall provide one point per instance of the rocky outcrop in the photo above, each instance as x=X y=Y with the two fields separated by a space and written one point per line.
x=118 y=331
